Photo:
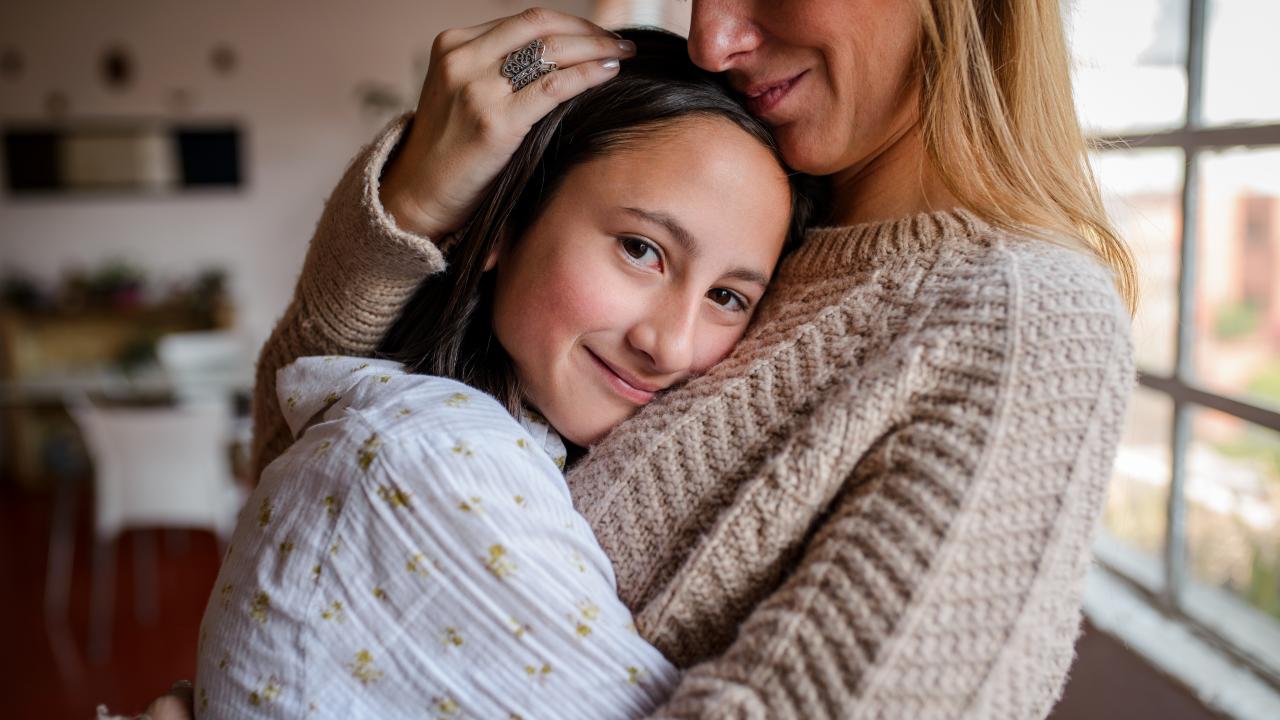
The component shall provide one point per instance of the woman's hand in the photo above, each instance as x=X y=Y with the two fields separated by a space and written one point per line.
x=177 y=704
x=469 y=121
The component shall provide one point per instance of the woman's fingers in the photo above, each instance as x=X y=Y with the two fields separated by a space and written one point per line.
x=582 y=62
x=469 y=118
x=548 y=91
x=567 y=50
x=177 y=704
x=454 y=38
x=534 y=18
x=542 y=20
x=521 y=29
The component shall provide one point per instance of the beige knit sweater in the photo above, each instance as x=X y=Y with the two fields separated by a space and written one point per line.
x=880 y=506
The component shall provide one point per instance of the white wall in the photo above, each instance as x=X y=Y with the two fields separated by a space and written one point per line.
x=293 y=93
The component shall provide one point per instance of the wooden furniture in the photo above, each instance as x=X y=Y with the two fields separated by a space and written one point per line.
x=42 y=353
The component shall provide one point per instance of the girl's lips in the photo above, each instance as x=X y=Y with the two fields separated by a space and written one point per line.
x=629 y=392
x=762 y=99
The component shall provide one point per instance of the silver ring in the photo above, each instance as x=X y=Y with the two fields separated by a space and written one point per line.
x=526 y=65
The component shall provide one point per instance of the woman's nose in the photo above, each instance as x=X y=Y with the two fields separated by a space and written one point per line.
x=666 y=337
x=719 y=32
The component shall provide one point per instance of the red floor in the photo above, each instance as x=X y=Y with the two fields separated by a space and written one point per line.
x=45 y=672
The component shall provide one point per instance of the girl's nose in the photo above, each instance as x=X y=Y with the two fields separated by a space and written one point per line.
x=719 y=32
x=665 y=336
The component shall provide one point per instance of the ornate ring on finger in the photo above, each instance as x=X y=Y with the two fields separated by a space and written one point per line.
x=525 y=65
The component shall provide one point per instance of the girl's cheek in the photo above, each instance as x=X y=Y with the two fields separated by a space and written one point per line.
x=714 y=345
x=591 y=298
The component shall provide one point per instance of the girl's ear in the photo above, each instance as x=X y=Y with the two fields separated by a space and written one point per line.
x=491 y=260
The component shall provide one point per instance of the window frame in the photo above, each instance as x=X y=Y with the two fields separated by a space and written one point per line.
x=1180 y=387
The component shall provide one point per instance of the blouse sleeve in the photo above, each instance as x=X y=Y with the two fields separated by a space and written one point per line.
x=466 y=580
x=359 y=271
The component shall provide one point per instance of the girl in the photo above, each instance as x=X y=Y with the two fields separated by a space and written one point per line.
x=415 y=551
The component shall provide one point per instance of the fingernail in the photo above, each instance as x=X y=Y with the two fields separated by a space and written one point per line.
x=610 y=64
x=627 y=47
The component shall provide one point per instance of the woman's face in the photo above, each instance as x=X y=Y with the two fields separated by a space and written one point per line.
x=643 y=269
x=833 y=78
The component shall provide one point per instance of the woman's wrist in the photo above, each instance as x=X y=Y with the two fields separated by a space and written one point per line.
x=405 y=212
x=401 y=204
x=399 y=193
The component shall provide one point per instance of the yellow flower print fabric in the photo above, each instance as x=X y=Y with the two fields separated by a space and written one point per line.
x=416 y=554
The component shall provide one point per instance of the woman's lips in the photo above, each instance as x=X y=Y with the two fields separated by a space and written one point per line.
x=765 y=97
x=623 y=387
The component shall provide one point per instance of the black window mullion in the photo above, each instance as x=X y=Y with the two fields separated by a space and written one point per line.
x=1175 y=550
x=1201 y=137
x=1175 y=555
x=1196 y=16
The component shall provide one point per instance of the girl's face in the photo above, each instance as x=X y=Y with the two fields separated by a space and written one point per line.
x=833 y=78
x=643 y=269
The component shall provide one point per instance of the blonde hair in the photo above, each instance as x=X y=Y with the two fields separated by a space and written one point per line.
x=999 y=123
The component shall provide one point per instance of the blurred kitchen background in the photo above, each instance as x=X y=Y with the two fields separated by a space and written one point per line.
x=164 y=163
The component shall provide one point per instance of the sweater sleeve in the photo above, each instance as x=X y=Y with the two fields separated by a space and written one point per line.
x=946 y=579
x=359 y=271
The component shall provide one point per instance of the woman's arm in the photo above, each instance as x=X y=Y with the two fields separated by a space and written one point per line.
x=418 y=180
x=359 y=270
x=946 y=580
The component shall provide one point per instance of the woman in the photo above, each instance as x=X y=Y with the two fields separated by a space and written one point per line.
x=880 y=505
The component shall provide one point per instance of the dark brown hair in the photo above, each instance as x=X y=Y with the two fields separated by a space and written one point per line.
x=445 y=328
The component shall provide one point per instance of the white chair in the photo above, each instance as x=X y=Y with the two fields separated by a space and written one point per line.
x=153 y=467
x=205 y=364
x=210 y=366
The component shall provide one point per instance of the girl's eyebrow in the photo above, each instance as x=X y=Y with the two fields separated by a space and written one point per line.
x=673 y=226
x=687 y=242
x=748 y=275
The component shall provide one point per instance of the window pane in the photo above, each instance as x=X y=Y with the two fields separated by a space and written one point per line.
x=1233 y=526
x=1142 y=192
x=1238 y=275
x=670 y=15
x=1130 y=63
x=1240 y=52
x=1134 y=518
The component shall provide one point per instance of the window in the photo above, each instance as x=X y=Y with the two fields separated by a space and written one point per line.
x=1180 y=96
x=670 y=15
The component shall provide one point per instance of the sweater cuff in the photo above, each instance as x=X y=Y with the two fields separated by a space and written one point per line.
x=411 y=255
x=360 y=269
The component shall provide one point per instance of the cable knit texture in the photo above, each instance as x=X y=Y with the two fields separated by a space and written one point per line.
x=879 y=506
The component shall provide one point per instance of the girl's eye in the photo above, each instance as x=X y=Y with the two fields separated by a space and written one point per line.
x=639 y=251
x=727 y=299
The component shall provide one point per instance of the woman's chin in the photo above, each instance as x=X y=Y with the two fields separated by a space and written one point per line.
x=806 y=151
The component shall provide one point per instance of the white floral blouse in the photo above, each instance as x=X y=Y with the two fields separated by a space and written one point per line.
x=415 y=553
